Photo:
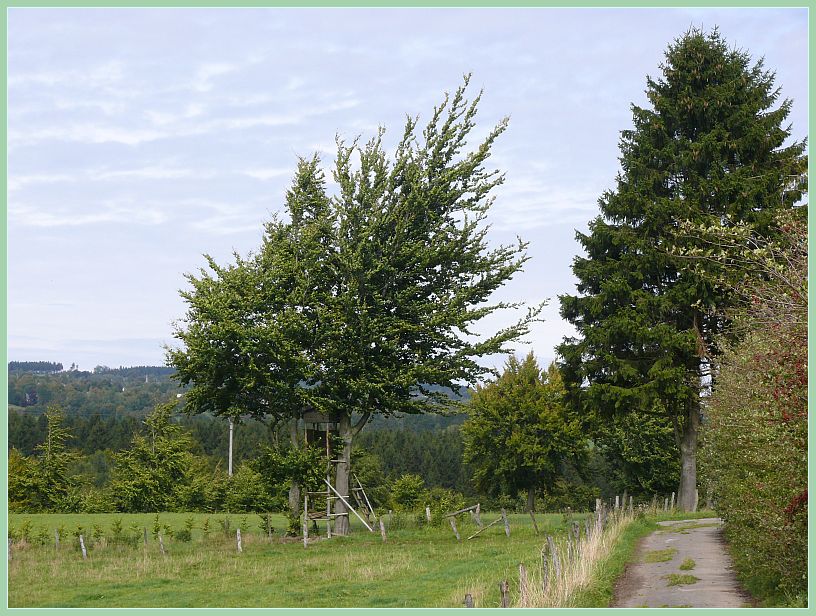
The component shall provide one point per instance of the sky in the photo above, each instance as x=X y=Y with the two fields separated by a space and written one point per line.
x=141 y=139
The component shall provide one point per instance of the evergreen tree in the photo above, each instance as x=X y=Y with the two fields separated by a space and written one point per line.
x=711 y=150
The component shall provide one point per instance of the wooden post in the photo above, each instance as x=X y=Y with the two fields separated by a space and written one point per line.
x=597 y=504
x=390 y=516
x=617 y=502
x=82 y=545
x=586 y=527
x=525 y=599
x=477 y=515
x=144 y=528
x=269 y=526
x=535 y=524
x=672 y=502
x=306 y=520
x=556 y=564
x=666 y=504
x=56 y=539
x=631 y=506
x=238 y=539
x=504 y=589
x=428 y=514
x=161 y=545
x=696 y=499
x=506 y=523
x=468 y=600
x=382 y=530
x=453 y=526
x=545 y=573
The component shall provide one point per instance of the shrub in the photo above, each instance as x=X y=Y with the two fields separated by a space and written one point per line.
x=407 y=492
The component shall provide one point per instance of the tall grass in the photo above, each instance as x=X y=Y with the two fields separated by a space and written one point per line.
x=569 y=564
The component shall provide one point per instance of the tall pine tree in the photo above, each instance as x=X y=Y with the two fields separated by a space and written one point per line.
x=710 y=150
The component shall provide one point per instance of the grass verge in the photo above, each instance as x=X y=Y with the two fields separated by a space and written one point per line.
x=600 y=591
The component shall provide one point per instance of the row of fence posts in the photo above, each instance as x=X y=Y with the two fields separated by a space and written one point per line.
x=84 y=550
x=553 y=564
x=558 y=557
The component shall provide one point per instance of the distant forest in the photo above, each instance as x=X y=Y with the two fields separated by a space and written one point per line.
x=105 y=407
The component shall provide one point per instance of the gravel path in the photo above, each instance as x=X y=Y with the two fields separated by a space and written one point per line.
x=655 y=577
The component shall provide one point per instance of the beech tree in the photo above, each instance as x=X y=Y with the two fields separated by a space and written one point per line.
x=368 y=297
x=712 y=150
x=518 y=433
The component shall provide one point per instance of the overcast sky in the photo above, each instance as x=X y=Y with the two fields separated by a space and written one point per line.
x=140 y=139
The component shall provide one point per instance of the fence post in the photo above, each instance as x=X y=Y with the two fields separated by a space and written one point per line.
x=453 y=526
x=238 y=539
x=672 y=502
x=545 y=574
x=428 y=514
x=144 y=528
x=56 y=539
x=305 y=520
x=535 y=525
x=504 y=589
x=382 y=530
x=161 y=545
x=523 y=585
x=631 y=507
x=82 y=545
x=477 y=515
x=468 y=600
x=666 y=504
x=506 y=523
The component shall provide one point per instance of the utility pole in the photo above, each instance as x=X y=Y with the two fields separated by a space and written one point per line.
x=229 y=463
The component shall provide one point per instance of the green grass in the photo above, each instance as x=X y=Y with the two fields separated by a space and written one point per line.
x=688 y=565
x=681 y=579
x=417 y=567
x=659 y=556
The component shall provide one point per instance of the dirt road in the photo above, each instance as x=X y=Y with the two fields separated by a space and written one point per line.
x=683 y=564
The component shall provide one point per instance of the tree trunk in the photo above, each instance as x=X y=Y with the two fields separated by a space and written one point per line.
x=687 y=491
x=531 y=499
x=341 y=482
x=347 y=433
x=229 y=454
x=294 y=489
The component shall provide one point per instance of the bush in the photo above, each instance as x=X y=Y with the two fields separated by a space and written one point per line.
x=407 y=492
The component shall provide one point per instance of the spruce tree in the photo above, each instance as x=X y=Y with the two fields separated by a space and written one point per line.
x=710 y=150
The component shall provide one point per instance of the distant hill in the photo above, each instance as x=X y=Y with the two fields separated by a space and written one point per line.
x=135 y=390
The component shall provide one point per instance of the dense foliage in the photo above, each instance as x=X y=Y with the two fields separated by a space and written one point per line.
x=518 y=434
x=755 y=434
x=712 y=150
x=362 y=300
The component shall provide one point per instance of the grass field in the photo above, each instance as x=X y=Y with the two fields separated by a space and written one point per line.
x=417 y=567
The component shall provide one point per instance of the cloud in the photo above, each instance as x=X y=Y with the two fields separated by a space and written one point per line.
x=204 y=77
x=124 y=211
x=269 y=173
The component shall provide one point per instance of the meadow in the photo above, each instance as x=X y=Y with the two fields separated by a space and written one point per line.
x=419 y=565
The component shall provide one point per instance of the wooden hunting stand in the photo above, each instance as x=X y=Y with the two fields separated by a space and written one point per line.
x=319 y=428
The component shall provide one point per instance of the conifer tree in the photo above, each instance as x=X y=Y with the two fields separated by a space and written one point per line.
x=711 y=149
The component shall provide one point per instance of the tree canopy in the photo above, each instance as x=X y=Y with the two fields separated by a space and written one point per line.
x=363 y=300
x=518 y=434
